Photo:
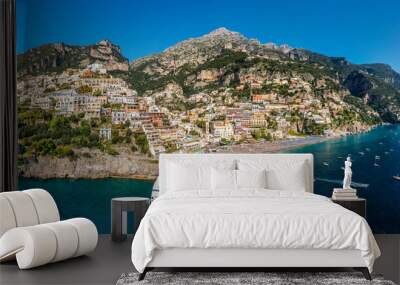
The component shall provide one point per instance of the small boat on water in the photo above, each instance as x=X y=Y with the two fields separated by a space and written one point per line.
x=376 y=164
x=361 y=152
x=377 y=157
x=386 y=152
x=367 y=149
x=325 y=163
x=396 y=177
x=381 y=143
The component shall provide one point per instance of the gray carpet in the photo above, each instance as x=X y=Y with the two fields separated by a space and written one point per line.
x=243 y=278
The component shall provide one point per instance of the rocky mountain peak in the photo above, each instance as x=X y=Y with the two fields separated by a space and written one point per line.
x=199 y=50
x=106 y=46
x=221 y=32
x=222 y=35
x=56 y=56
x=104 y=42
x=216 y=36
x=109 y=54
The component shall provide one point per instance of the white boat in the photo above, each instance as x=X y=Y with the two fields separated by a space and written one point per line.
x=367 y=149
x=376 y=164
x=377 y=157
x=361 y=152
x=396 y=177
x=325 y=163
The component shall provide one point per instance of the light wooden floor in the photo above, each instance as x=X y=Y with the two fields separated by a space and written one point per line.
x=110 y=260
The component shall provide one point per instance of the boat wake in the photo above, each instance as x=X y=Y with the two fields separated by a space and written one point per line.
x=354 y=184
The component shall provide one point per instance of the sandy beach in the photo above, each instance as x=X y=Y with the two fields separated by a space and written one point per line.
x=272 y=147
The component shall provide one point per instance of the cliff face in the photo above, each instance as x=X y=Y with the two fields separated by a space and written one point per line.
x=357 y=83
x=98 y=165
x=383 y=72
x=59 y=56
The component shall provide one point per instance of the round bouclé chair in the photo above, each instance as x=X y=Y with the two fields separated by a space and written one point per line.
x=31 y=231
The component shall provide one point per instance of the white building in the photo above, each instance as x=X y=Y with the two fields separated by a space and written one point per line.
x=223 y=129
x=41 y=102
x=121 y=99
x=105 y=133
x=68 y=101
x=118 y=117
x=318 y=119
x=97 y=67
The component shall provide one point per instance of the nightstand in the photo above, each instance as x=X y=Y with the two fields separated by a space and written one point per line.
x=119 y=208
x=357 y=205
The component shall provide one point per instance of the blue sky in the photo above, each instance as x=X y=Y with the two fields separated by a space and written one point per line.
x=362 y=31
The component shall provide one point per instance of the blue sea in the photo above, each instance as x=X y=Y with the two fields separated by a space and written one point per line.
x=376 y=158
x=90 y=198
x=375 y=155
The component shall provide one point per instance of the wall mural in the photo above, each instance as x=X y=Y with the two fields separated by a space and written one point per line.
x=92 y=123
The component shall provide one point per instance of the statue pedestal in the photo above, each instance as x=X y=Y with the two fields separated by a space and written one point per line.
x=344 y=194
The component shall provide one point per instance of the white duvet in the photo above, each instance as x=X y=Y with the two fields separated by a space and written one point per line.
x=250 y=219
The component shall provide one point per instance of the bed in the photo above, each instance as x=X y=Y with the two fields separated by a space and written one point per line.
x=245 y=211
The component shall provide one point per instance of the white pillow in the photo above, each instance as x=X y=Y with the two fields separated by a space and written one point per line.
x=183 y=177
x=251 y=178
x=223 y=179
x=280 y=174
x=292 y=177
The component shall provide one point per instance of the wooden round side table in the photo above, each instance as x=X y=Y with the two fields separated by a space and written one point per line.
x=119 y=208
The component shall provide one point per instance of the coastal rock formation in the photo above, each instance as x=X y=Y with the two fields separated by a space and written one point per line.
x=97 y=165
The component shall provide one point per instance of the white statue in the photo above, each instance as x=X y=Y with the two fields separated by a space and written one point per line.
x=347 y=174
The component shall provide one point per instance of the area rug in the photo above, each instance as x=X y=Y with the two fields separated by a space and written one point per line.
x=244 y=278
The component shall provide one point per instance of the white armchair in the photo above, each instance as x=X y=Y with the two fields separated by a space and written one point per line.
x=31 y=231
